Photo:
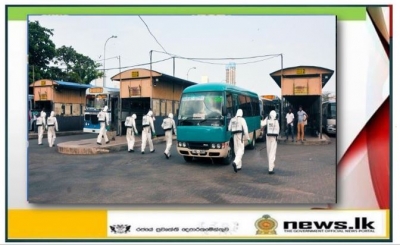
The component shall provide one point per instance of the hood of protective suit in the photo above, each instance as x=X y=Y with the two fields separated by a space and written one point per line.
x=52 y=114
x=272 y=115
x=239 y=113
x=171 y=115
x=150 y=113
x=134 y=116
x=105 y=108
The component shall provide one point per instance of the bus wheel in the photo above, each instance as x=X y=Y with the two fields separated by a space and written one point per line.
x=253 y=142
x=188 y=158
x=231 y=154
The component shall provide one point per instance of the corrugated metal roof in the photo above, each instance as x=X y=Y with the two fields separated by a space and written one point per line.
x=73 y=85
x=163 y=76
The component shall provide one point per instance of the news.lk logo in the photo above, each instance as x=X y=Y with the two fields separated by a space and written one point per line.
x=120 y=229
x=360 y=224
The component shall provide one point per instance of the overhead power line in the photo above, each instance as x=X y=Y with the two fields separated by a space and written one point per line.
x=203 y=60
x=153 y=35
x=124 y=67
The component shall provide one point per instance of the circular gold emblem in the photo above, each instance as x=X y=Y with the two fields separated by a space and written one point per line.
x=266 y=225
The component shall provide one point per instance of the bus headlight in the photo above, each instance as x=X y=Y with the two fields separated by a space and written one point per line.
x=184 y=144
x=218 y=146
x=180 y=144
x=213 y=146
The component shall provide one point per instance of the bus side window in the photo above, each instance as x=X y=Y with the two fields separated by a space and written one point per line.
x=229 y=105
x=255 y=106
x=244 y=105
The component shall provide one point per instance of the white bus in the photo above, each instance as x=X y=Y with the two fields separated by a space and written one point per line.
x=96 y=99
x=329 y=117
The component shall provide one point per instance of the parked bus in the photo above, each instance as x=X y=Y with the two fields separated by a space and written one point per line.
x=329 y=117
x=269 y=103
x=32 y=113
x=96 y=99
x=205 y=111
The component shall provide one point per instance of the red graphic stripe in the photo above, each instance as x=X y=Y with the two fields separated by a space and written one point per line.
x=378 y=144
x=390 y=21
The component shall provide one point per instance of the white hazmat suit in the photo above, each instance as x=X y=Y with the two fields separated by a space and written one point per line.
x=272 y=133
x=103 y=120
x=238 y=127
x=169 y=127
x=130 y=125
x=148 y=128
x=52 y=127
x=41 y=125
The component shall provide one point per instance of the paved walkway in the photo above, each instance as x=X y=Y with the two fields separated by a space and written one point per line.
x=90 y=146
x=119 y=143
x=308 y=140
x=34 y=135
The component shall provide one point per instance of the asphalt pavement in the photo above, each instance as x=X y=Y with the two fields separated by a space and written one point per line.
x=304 y=174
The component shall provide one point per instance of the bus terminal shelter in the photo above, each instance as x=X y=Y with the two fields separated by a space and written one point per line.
x=66 y=99
x=142 y=89
x=302 y=86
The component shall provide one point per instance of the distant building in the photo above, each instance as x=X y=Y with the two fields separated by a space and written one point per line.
x=231 y=73
x=204 y=79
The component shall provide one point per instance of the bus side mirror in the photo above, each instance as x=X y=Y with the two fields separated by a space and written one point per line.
x=224 y=111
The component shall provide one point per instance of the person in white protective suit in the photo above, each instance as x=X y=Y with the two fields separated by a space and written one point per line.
x=147 y=131
x=41 y=126
x=272 y=125
x=131 y=131
x=169 y=127
x=103 y=120
x=238 y=127
x=52 y=127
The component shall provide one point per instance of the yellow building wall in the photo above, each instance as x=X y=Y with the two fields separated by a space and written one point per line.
x=42 y=93
x=167 y=91
x=69 y=96
x=133 y=85
x=301 y=86
x=44 y=89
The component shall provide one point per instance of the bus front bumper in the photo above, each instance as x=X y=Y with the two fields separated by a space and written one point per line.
x=213 y=153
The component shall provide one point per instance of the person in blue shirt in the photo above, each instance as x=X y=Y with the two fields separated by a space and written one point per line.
x=301 y=119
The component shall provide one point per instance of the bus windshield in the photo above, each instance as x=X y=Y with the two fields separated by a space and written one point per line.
x=96 y=101
x=333 y=111
x=201 y=106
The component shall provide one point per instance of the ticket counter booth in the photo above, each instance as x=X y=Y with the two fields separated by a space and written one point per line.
x=302 y=86
x=142 y=89
x=66 y=99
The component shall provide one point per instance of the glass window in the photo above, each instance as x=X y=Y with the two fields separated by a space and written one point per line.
x=255 y=106
x=162 y=108
x=176 y=107
x=156 y=107
x=100 y=101
x=244 y=104
x=229 y=106
x=169 y=107
x=201 y=105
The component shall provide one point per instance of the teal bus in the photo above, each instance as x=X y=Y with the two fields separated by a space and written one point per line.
x=205 y=111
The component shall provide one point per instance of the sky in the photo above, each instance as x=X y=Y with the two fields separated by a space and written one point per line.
x=303 y=40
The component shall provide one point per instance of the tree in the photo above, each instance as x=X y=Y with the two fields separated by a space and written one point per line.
x=79 y=68
x=41 y=51
x=326 y=96
x=45 y=60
